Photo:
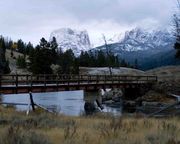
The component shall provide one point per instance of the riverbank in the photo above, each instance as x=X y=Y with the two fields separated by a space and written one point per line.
x=45 y=128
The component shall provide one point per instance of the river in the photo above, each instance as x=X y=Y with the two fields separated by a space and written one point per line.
x=70 y=103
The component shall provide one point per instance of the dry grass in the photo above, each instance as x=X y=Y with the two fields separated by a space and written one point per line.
x=16 y=127
x=105 y=71
x=168 y=79
x=168 y=73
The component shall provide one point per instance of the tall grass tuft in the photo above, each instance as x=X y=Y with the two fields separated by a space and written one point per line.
x=16 y=135
x=70 y=131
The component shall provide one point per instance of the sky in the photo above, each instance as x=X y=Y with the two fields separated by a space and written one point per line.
x=30 y=20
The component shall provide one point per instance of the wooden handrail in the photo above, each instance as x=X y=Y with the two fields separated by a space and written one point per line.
x=42 y=75
x=26 y=83
x=58 y=79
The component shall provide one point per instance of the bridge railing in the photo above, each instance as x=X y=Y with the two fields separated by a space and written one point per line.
x=17 y=80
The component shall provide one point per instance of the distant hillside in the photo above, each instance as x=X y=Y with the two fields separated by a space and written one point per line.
x=105 y=71
x=163 y=58
x=168 y=77
x=12 y=63
x=168 y=73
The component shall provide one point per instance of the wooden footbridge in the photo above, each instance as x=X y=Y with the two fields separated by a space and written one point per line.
x=13 y=84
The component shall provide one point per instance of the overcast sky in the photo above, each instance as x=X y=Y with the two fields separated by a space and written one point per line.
x=32 y=19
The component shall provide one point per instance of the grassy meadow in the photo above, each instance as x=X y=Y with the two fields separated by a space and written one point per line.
x=45 y=128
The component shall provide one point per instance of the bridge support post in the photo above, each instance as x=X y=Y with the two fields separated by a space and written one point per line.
x=32 y=101
x=132 y=93
x=16 y=83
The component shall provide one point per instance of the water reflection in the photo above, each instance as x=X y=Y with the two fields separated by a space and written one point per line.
x=68 y=103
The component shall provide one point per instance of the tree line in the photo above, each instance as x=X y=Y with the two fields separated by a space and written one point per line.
x=13 y=46
x=48 y=58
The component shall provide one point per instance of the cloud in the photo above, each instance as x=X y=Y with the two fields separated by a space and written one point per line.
x=33 y=19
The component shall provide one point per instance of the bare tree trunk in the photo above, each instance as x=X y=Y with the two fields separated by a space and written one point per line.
x=107 y=52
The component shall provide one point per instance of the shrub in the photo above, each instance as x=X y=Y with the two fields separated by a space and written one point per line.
x=21 y=62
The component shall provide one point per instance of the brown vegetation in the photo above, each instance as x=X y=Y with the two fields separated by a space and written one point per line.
x=166 y=74
x=17 y=128
x=115 y=71
x=168 y=79
x=155 y=96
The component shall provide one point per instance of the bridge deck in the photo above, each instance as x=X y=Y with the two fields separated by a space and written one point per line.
x=45 y=83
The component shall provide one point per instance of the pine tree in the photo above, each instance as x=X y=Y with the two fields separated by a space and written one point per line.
x=117 y=64
x=101 y=59
x=29 y=48
x=21 y=47
x=41 y=58
x=21 y=62
x=123 y=63
x=136 y=66
x=75 y=66
x=33 y=61
x=92 y=61
x=44 y=43
x=54 y=48
x=9 y=44
x=68 y=62
x=83 y=59
x=4 y=64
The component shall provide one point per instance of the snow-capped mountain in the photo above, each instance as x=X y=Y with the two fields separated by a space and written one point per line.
x=72 y=39
x=138 y=39
x=151 y=48
x=141 y=40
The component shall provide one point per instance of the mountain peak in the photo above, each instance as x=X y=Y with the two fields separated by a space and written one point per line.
x=68 y=38
x=151 y=48
x=139 y=39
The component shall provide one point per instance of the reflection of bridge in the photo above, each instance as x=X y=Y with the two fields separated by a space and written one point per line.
x=10 y=84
